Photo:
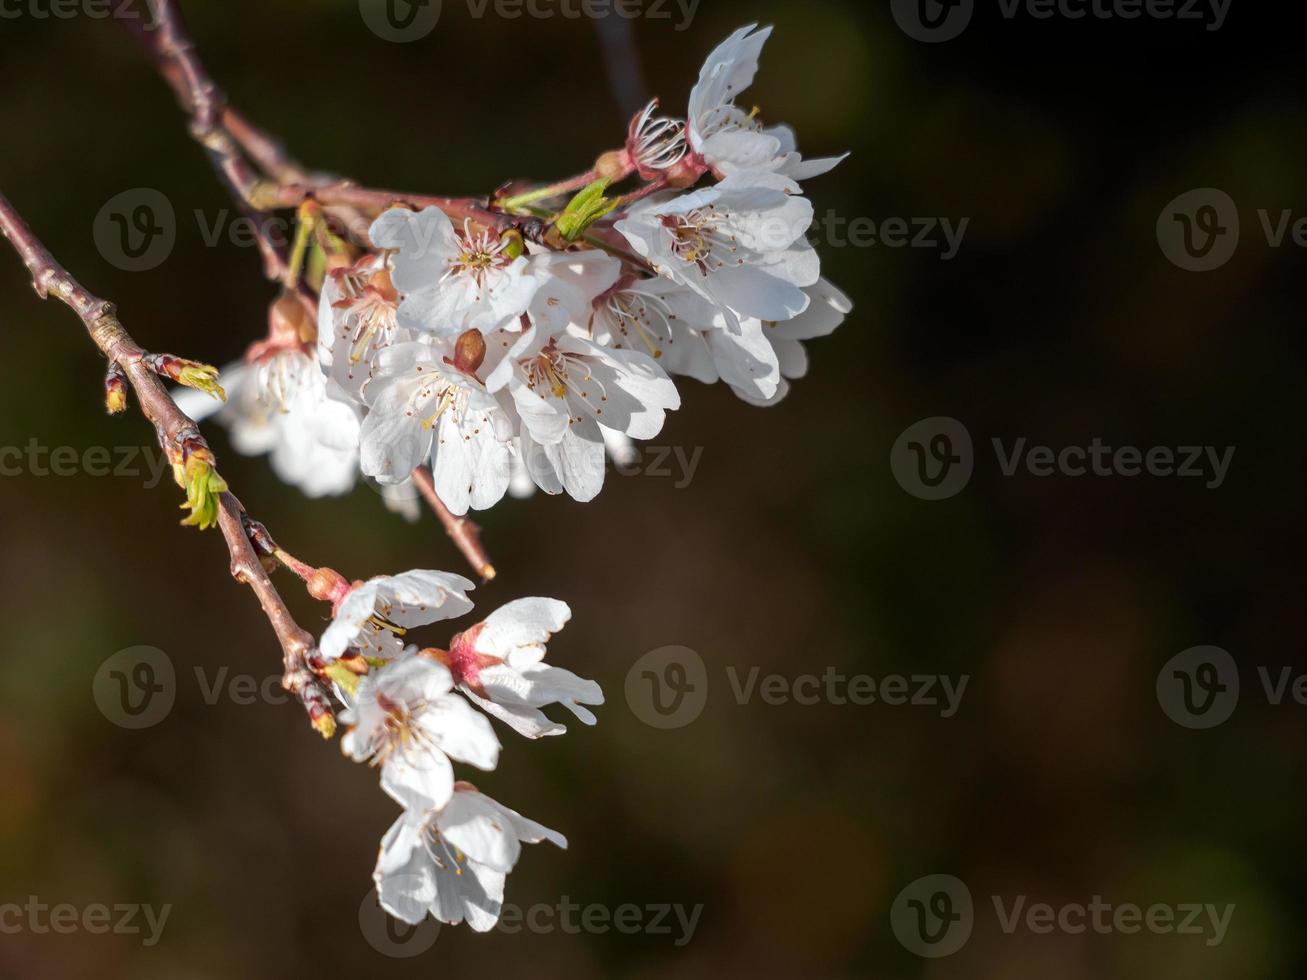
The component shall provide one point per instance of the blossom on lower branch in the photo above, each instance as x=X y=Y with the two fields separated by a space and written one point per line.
x=499 y=666
x=406 y=720
x=372 y=617
x=410 y=713
x=452 y=861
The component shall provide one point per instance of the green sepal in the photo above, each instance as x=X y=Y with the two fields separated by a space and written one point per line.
x=587 y=207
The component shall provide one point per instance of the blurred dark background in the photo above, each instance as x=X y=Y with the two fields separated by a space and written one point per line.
x=793 y=548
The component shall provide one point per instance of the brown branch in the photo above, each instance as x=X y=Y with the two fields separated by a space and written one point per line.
x=465 y=534
x=225 y=133
x=174 y=53
x=178 y=434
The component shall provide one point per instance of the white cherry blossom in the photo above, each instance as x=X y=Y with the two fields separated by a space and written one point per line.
x=373 y=616
x=452 y=280
x=499 y=665
x=828 y=310
x=567 y=392
x=284 y=410
x=405 y=719
x=452 y=863
x=726 y=138
x=740 y=244
x=689 y=336
x=357 y=319
x=422 y=406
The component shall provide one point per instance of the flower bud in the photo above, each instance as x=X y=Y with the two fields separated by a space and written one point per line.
x=470 y=351
x=115 y=390
x=686 y=172
x=323 y=721
x=327 y=585
x=614 y=165
x=384 y=285
x=289 y=322
x=192 y=374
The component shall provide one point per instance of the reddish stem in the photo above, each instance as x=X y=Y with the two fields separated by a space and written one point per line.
x=464 y=534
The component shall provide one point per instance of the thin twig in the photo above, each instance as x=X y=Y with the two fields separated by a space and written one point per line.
x=226 y=135
x=175 y=430
x=465 y=534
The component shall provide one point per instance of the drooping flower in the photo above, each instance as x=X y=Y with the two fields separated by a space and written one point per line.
x=452 y=280
x=499 y=665
x=373 y=616
x=740 y=244
x=406 y=720
x=452 y=863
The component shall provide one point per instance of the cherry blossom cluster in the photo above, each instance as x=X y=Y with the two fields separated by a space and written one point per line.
x=410 y=713
x=508 y=362
x=511 y=348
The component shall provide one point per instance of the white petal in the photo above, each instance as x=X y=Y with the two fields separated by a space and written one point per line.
x=461 y=732
x=476 y=827
x=418 y=779
x=521 y=623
